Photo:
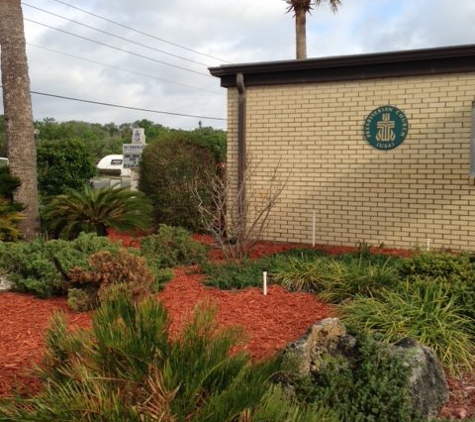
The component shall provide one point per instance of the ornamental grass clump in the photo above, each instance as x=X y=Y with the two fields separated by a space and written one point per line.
x=336 y=280
x=130 y=368
x=425 y=311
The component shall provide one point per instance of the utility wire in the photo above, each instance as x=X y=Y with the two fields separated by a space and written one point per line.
x=124 y=70
x=117 y=36
x=119 y=49
x=140 y=32
x=126 y=107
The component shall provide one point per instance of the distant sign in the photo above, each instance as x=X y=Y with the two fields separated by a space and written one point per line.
x=138 y=135
x=132 y=154
x=386 y=127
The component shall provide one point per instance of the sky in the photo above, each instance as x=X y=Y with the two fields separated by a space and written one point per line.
x=154 y=55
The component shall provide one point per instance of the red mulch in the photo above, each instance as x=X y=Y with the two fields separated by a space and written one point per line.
x=270 y=322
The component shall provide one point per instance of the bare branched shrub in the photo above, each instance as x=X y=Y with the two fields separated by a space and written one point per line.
x=237 y=216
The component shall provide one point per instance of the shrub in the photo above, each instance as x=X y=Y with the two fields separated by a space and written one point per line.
x=372 y=386
x=172 y=246
x=80 y=300
x=41 y=267
x=95 y=210
x=169 y=169
x=425 y=311
x=129 y=369
x=64 y=164
x=109 y=272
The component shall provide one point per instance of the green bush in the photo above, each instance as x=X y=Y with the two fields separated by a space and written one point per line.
x=129 y=369
x=369 y=387
x=64 y=164
x=170 y=169
x=172 y=246
x=425 y=311
x=41 y=267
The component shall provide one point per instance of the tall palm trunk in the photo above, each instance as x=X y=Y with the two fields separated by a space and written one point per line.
x=301 y=33
x=18 y=112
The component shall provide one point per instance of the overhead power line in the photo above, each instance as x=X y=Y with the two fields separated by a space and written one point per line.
x=126 y=107
x=123 y=69
x=119 y=49
x=140 y=32
x=116 y=36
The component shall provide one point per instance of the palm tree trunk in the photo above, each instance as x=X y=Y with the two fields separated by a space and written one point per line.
x=301 y=33
x=18 y=112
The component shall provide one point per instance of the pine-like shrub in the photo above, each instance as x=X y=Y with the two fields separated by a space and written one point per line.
x=128 y=368
x=41 y=267
x=110 y=272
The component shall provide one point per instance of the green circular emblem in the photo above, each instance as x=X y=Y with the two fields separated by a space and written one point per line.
x=386 y=127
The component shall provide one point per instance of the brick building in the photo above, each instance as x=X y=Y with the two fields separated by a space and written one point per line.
x=311 y=120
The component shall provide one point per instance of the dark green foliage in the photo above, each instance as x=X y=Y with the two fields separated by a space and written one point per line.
x=172 y=246
x=338 y=279
x=95 y=210
x=10 y=211
x=41 y=267
x=425 y=311
x=371 y=386
x=455 y=271
x=129 y=369
x=63 y=164
x=8 y=183
x=170 y=169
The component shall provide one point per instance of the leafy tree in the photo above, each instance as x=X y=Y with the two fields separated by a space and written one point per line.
x=95 y=210
x=169 y=169
x=64 y=164
x=18 y=112
x=300 y=9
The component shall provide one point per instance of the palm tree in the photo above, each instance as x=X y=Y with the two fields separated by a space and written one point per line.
x=96 y=210
x=18 y=112
x=300 y=9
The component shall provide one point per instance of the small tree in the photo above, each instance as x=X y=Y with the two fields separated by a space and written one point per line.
x=237 y=217
x=167 y=170
x=64 y=164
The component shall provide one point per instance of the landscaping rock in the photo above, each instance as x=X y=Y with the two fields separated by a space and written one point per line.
x=428 y=385
x=427 y=382
x=5 y=284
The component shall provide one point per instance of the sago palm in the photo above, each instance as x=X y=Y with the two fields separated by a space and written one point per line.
x=96 y=210
x=300 y=9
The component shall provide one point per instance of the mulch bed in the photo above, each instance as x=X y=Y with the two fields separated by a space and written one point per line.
x=269 y=322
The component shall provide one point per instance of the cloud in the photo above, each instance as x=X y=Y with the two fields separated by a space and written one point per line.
x=240 y=31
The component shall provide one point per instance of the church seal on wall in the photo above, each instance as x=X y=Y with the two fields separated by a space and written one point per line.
x=386 y=127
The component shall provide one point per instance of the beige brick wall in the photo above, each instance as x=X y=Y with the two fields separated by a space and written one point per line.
x=314 y=134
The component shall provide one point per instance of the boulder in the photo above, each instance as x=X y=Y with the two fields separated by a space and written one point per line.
x=427 y=382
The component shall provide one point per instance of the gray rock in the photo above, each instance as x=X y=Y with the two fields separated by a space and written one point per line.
x=427 y=379
x=427 y=382
x=5 y=284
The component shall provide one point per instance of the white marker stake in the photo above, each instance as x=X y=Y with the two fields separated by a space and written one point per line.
x=264 y=283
